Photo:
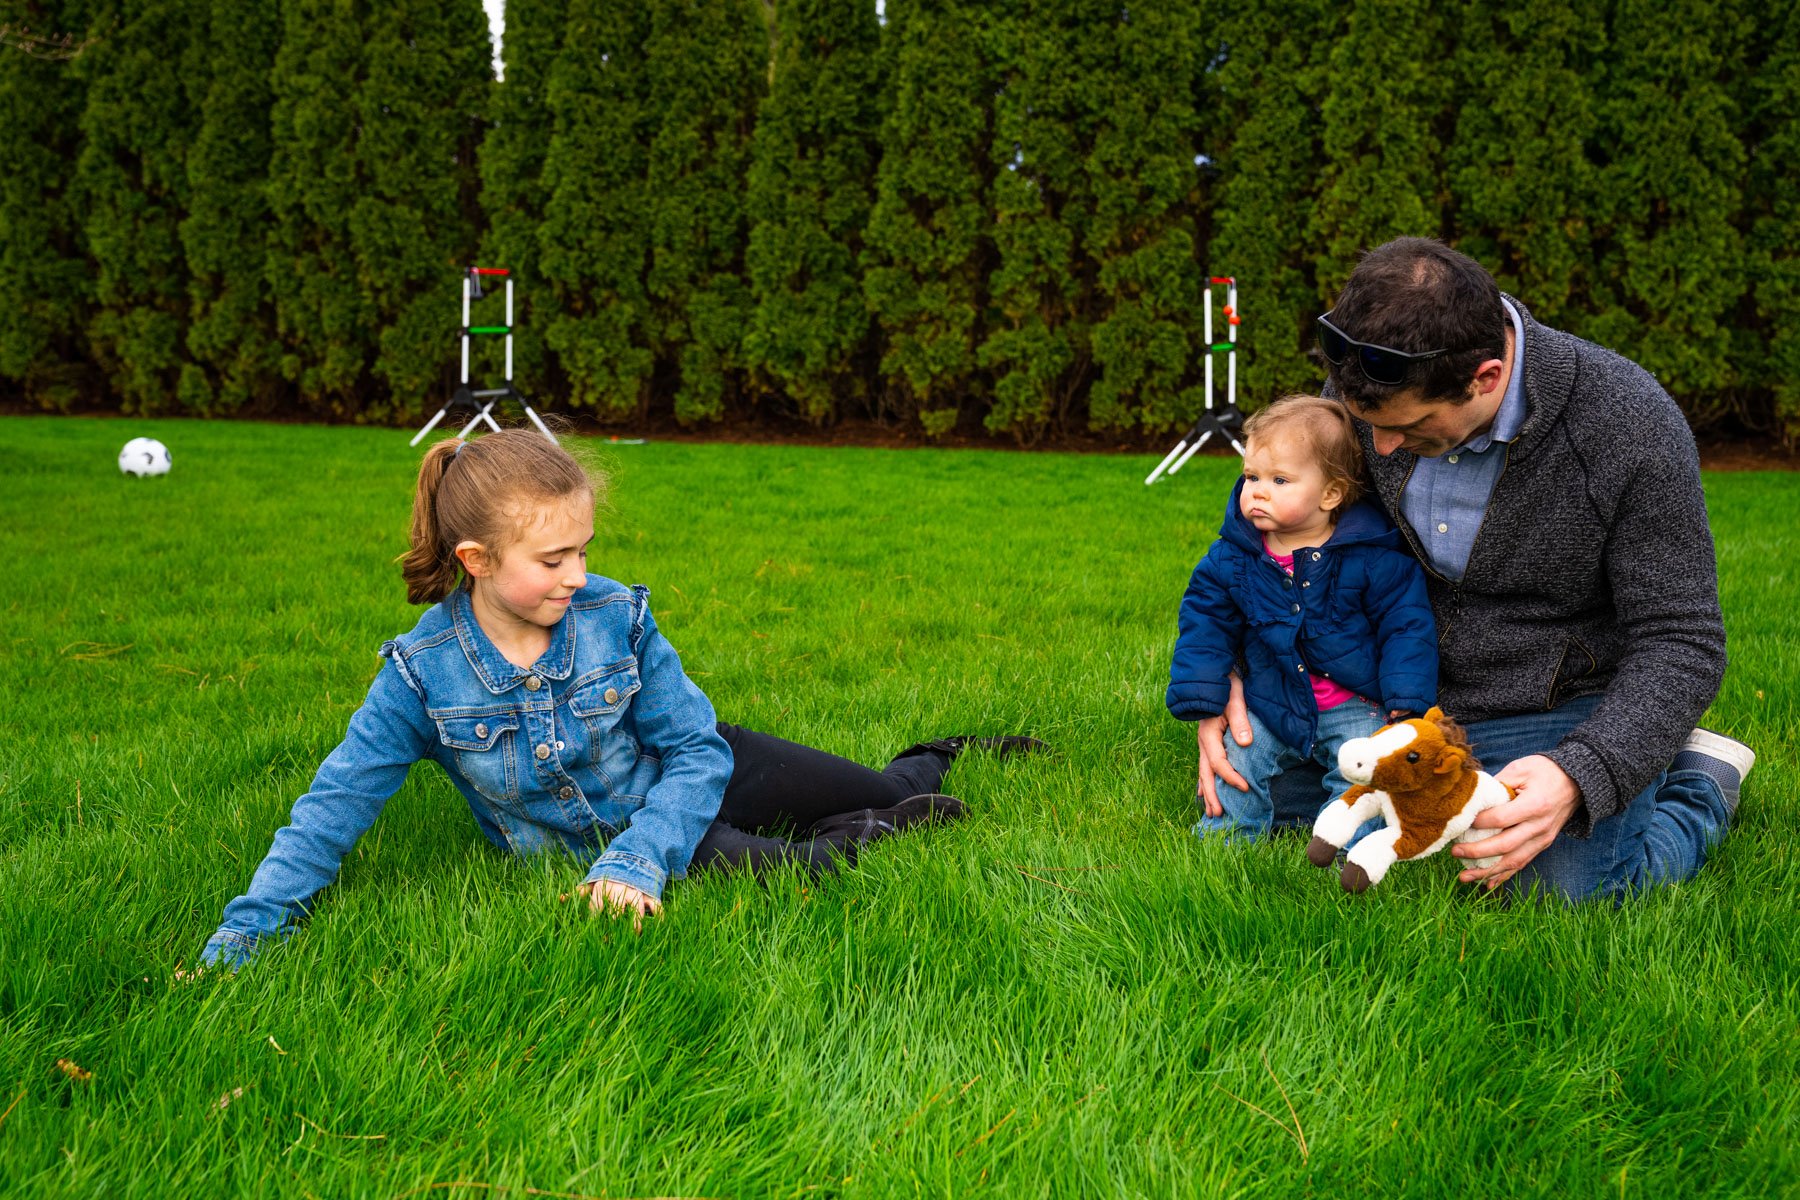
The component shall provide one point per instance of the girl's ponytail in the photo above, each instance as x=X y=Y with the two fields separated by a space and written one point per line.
x=430 y=566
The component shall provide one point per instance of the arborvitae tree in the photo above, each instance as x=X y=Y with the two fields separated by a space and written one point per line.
x=1263 y=87
x=1521 y=185
x=45 y=287
x=131 y=178
x=1770 y=345
x=326 y=321
x=928 y=246
x=593 y=246
x=709 y=62
x=1049 y=66
x=414 y=224
x=1382 y=166
x=1670 y=270
x=811 y=186
x=513 y=194
x=1146 y=189
x=234 y=355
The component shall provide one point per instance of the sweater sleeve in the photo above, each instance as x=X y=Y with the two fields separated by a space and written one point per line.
x=1209 y=641
x=1660 y=567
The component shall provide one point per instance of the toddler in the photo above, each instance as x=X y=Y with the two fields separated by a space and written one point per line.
x=1309 y=595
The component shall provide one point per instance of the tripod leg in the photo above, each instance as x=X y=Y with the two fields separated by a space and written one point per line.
x=477 y=419
x=538 y=423
x=429 y=426
x=1167 y=459
x=1192 y=450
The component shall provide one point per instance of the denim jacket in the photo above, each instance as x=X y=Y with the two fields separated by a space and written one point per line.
x=603 y=741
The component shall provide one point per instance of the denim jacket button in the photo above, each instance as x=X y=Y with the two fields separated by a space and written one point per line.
x=533 y=683
x=542 y=752
x=481 y=731
x=566 y=793
x=612 y=695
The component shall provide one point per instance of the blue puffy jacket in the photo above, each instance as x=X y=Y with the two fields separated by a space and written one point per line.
x=1354 y=611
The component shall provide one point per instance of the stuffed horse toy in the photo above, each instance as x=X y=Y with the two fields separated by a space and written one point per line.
x=1421 y=777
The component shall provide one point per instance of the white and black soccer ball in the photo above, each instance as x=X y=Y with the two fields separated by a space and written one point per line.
x=144 y=456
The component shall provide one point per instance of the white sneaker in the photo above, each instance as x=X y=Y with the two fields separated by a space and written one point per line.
x=1734 y=754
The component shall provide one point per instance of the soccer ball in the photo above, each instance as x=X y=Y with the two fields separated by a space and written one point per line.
x=144 y=456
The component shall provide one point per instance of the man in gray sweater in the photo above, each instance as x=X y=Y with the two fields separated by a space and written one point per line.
x=1552 y=490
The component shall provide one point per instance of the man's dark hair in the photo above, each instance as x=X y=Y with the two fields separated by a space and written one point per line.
x=1417 y=294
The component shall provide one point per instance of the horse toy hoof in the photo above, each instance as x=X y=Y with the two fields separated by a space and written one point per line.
x=1354 y=878
x=1320 y=852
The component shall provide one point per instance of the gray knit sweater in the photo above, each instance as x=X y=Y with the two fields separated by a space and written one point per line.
x=1593 y=572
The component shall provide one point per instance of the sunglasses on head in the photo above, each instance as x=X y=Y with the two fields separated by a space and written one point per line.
x=1379 y=363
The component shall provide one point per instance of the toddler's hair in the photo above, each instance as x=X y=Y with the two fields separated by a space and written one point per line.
x=1325 y=428
x=473 y=491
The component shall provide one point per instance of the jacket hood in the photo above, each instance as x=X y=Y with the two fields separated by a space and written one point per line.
x=1363 y=525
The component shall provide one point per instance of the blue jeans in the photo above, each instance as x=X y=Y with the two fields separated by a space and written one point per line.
x=1660 y=837
x=1267 y=757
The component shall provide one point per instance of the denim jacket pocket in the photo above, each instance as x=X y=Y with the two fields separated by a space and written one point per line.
x=483 y=742
x=599 y=701
x=599 y=698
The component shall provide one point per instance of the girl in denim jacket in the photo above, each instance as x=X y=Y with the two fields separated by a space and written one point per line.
x=564 y=718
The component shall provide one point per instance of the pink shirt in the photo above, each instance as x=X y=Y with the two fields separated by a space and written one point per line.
x=1326 y=694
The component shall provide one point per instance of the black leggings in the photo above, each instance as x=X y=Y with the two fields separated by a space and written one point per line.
x=779 y=789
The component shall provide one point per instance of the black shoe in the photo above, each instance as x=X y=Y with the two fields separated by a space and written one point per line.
x=953 y=746
x=867 y=825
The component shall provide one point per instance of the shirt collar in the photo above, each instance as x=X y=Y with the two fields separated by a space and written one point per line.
x=1511 y=416
x=496 y=671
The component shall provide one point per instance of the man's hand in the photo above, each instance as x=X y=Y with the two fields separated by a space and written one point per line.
x=616 y=899
x=1545 y=798
x=1211 y=736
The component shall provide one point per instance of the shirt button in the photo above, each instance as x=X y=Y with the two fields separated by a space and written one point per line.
x=1443 y=528
x=1287 y=581
x=1315 y=556
x=559 y=745
x=533 y=683
x=481 y=731
x=1300 y=666
x=542 y=752
x=566 y=792
x=1308 y=583
x=1454 y=457
x=1296 y=608
x=612 y=695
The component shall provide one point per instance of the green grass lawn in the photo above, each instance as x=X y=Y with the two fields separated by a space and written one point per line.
x=1064 y=995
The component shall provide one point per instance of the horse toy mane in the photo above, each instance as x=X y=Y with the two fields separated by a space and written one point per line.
x=1422 y=778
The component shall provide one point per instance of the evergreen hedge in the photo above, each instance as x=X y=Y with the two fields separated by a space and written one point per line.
x=959 y=213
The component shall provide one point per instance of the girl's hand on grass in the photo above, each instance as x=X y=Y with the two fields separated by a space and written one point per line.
x=1544 y=800
x=1211 y=737
x=616 y=899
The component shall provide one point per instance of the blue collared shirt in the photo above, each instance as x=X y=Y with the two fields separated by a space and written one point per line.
x=1446 y=497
